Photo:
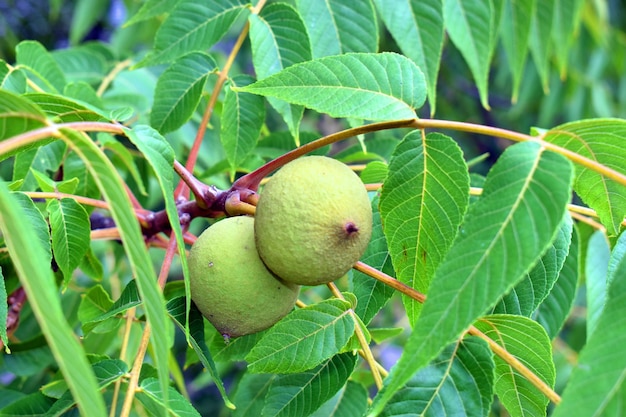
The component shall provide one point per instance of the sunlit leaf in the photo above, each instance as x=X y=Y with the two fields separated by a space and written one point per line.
x=37 y=61
x=418 y=29
x=422 y=204
x=601 y=140
x=460 y=381
x=528 y=342
x=336 y=27
x=64 y=109
x=33 y=216
x=300 y=394
x=4 y=340
x=367 y=86
x=303 y=339
x=596 y=279
x=503 y=235
x=596 y=386
x=151 y=396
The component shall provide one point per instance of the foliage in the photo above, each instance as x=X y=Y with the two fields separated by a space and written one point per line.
x=498 y=224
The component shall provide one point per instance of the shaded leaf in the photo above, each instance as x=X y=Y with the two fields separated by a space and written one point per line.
x=303 y=339
x=350 y=401
x=366 y=86
x=193 y=26
x=178 y=91
x=279 y=39
x=36 y=278
x=527 y=341
x=504 y=233
x=596 y=386
x=422 y=204
x=151 y=396
x=471 y=25
x=418 y=29
x=336 y=27
x=4 y=339
x=250 y=395
x=371 y=293
x=17 y=115
x=600 y=140
x=537 y=284
x=85 y=15
x=33 y=216
x=70 y=230
x=460 y=381
x=150 y=9
x=300 y=394
x=566 y=18
x=515 y=37
x=555 y=309
x=241 y=122
x=31 y=405
x=541 y=28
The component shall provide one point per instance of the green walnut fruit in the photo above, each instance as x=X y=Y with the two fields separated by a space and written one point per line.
x=229 y=283
x=313 y=221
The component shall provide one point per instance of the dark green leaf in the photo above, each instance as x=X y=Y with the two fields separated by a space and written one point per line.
x=384 y=86
x=596 y=386
x=336 y=27
x=350 y=401
x=422 y=204
x=31 y=405
x=179 y=90
x=503 y=235
x=86 y=14
x=303 y=339
x=250 y=395
x=193 y=26
x=70 y=229
x=541 y=28
x=515 y=37
x=33 y=216
x=536 y=285
x=4 y=340
x=279 y=39
x=300 y=394
x=418 y=29
x=17 y=115
x=459 y=382
x=528 y=342
x=566 y=18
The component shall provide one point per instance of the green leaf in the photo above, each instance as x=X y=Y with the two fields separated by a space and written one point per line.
x=151 y=396
x=94 y=303
x=384 y=86
x=85 y=63
x=12 y=79
x=350 y=401
x=336 y=28
x=527 y=341
x=600 y=140
x=74 y=168
x=86 y=14
x=37 y=279
x=69 y=224
x=371 y=293
x=503 y=235
x=459 y=382
x=303 y=339
x=178 y=91
x=193 y=26
x=536 y=285
x=300 y=394
x=150 y=9
x=33 y=216
x=242 y=118
x=418 y=29
x=541 y=28
x=31 y=405
x=279 y=39
x=596 y=386
x=122 y=157
x=17 y=115
x=128 y=299
x=46 y=158
x=112 y=188
x=4 y=339
x=555 y=309
x=375 y=171
x=566 y=18
x=33 y=57
x=177 y=308
x=596 y=280
x=250 y=395
x=515 y=37
x=422 y=204
x=66 y=110
x=471 y=25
